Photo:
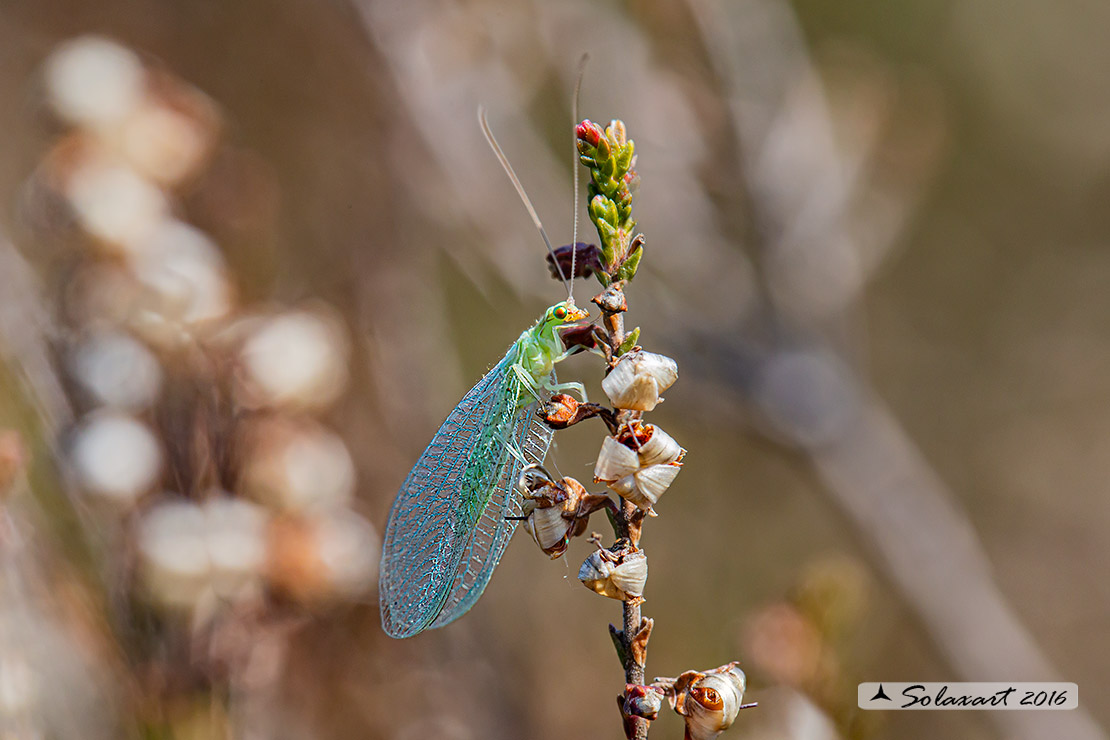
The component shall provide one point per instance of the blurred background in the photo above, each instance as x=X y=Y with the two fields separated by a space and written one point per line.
x=252 y=253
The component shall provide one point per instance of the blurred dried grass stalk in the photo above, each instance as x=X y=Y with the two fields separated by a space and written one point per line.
x=216 y=504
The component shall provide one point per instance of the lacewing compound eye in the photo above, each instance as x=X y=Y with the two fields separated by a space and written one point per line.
x=560 y=313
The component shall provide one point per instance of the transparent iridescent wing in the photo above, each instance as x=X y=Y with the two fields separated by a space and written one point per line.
x=492 y=532
x=446 y=529
x=426 y=537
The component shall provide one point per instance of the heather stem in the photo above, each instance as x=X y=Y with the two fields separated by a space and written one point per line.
x=613 y=305
x=633 y=671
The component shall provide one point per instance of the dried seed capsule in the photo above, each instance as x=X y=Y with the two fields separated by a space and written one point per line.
x=185 y=279
x=114 y=205
x=556 y=511
x=549 y=528
x=615 y=461
x=560 y=410
x=637 y=380
x=619 y=575
x=550 y=509
x=645 y=486
x=627 y=473
x=170 y=134
x=709 y=701
x=641 y=701
x=660 y=448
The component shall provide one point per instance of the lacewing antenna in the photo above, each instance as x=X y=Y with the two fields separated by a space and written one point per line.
x=574 y=166
x=520 y=191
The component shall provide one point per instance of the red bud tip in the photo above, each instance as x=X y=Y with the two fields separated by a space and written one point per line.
x=589 y=132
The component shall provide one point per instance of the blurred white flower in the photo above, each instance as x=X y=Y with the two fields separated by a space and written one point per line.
x=116 y=457
x=349 y=549
x=186 y=274
x=174 y=553
x=113 y=203
x=323 y=557
x=297 y=465
x=166 y=143
x=94 y=82
x=236 y=541
x=101 y=293
x=190 y=551
x=117 y=370
x=297 y=359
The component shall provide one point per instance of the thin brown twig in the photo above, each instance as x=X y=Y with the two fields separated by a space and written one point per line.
x=633 y=636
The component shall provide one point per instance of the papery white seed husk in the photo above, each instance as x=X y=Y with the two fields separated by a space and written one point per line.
x=626 y=488
x=548 y=527
x=660 y=367
x=319 y=471
x=595 y=567
x=654 y=480
x=630 y=391
x=645 y=486
x=705 y=723
x=647 y=705
x=615 y=580
x=630 y=574
x=661 y=448
x=637 y=380
x=594 y=573
x=615 y=461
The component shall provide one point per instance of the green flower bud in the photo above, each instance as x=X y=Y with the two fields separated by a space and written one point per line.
x=616 y=132
x=628 y=269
